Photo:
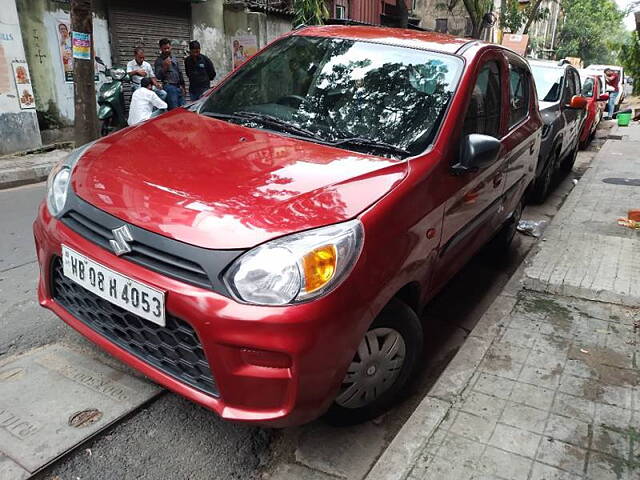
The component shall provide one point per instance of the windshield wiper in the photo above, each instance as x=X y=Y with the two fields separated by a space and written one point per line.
x=372 y=144
x=265 y=119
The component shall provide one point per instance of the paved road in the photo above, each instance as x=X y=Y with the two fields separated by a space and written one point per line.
x=168 y=438
x=172 y=438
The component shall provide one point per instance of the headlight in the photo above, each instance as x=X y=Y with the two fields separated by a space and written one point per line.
x=298 y=267
x=118 y=73
x=60 y=178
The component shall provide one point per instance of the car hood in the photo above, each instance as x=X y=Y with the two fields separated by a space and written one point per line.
x=214 y=184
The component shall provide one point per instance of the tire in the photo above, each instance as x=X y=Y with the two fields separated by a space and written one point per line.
x=395 y=322
x=542 y=185
x=502 y=241
x=569 y=161
x=104 y=127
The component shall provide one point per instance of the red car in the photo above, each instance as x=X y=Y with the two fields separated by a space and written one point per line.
x=266 y=252
x=593 y=91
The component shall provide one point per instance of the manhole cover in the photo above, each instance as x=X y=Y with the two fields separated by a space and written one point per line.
x=632 y=182
x=85 y=418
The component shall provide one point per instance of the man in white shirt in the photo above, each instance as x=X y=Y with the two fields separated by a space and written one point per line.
x=139 y=69
x=143 y=101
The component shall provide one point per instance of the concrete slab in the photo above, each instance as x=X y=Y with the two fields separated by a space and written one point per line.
x=586 y=253
x=341 y=452
x=24 y=169
x=53 y=398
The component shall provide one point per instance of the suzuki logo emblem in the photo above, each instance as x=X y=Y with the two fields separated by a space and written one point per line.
x=121 y=238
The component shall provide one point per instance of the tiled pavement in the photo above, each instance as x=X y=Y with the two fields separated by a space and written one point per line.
x=556 y=396
x=547 y=385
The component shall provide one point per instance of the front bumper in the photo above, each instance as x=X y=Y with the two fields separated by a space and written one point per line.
x=318 y=337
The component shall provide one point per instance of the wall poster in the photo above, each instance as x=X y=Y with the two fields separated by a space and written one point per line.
x=242 y=47
x=23 y=85
x=65 y=46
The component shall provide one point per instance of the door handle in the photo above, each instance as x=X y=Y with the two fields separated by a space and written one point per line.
x=497 y=180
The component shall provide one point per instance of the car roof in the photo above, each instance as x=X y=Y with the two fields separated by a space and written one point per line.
x=402 y=37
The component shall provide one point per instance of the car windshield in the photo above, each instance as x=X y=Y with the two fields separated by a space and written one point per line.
x=587 y=87
x=361 y=96
x=548 y=82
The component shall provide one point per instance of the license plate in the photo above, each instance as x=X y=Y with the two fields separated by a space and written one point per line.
x=145 y=301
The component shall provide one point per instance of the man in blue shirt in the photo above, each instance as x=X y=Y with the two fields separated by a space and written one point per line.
x=168 y=72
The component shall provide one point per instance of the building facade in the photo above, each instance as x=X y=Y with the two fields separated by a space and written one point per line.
x=38 y=34
x=18 y=121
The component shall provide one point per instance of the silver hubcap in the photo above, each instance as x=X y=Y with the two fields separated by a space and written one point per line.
x=375 y=367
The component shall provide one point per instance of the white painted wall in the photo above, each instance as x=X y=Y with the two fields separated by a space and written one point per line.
x=12 y=50
x=64 y=90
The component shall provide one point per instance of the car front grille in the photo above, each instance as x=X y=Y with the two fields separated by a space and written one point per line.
x=144 y=255
x=191 y=264
x=174 y=349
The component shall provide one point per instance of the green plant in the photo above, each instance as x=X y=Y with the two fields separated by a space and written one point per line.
x=310 y=12
x=630 y=59
x=591 y=30
x=513 y=15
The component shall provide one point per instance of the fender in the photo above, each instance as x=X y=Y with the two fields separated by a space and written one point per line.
x=105 y=111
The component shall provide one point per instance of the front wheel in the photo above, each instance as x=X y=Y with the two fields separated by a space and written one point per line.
x=567 y=164
x=105 y=126
x=382 y=368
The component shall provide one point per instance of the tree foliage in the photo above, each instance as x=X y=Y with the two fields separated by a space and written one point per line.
x=477 y=11
x=630 y=59
x=310 y=12
x=592 y=30
x=514 y=15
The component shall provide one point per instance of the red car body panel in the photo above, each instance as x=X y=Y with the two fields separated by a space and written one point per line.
x=196 y=180
x=594 y=111
x=201 y=197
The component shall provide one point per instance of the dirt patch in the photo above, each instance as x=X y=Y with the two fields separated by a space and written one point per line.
x=555 y=312
x=609 y=366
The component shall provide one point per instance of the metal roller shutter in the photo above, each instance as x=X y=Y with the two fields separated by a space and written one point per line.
x=142 y=24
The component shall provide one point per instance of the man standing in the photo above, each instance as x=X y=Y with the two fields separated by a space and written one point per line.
x=168 y=71
x=139 y=69
x=199 y=69
x=143 y=101
x=613 y=87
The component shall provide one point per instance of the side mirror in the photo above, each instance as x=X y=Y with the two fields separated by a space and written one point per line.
x=476 y=152
x=578 y=102
x=99 y=60
x=604 y=97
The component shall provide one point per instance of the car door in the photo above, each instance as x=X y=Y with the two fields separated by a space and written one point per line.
x=523 y=134
x=572 y=117
x=471 y=211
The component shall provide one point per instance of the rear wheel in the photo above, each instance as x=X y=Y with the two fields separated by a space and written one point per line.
x=542 y=185
x=382 y=368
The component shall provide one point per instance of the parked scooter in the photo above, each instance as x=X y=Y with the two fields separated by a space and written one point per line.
x=111 y=109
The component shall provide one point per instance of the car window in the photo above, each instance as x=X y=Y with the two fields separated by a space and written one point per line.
x=587 y=87
x=548 y=82
x=337 y=89
x=570 y=86
x=483 y=113
x=518 y=94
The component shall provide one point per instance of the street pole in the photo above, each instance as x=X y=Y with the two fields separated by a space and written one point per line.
x=86 y=117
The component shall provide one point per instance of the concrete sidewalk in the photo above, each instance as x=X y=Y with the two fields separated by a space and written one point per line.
x=28 y=168
x=547 y=386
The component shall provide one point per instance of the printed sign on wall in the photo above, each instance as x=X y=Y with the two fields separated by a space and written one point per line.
x=23 y=85
x=243 y=47
x=65 y=46
x=81 y=45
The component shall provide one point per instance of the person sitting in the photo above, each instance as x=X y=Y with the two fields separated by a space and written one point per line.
x=139 y=69
x=143 y=102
